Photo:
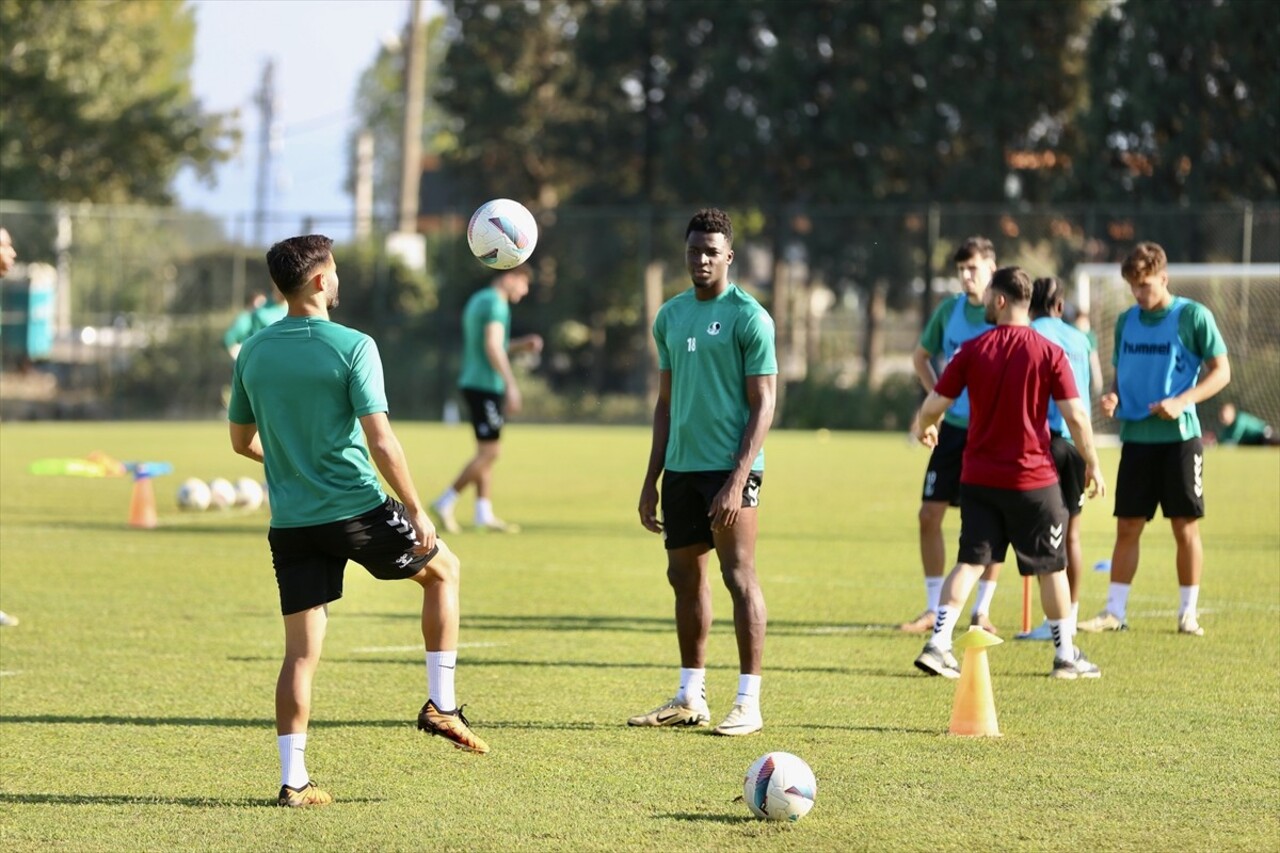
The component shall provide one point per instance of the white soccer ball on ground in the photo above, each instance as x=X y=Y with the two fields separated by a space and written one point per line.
x=248 y=493
x=194 y=495
x=221 y=493
x=779 y=786
x=502 y=234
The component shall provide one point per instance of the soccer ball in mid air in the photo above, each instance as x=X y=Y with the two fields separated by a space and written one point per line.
x=193 y=495
x=779 y=786
x=502 y=234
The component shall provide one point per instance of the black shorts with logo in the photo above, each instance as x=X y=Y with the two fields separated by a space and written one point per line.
x=942 y=477
x=1169 y=475
x=1070 y=465
x=487 y=417
x=1033 y=522
x=686 y=500
x=310 y=561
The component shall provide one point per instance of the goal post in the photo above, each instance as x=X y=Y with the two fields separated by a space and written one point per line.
x=1245 y=301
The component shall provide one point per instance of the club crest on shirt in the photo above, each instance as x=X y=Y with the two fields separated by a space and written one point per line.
x=714 y=328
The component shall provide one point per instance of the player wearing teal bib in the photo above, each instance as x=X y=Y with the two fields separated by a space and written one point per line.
x=957 y=320
x=307 y=401
x=717 y=386
x=489 y=387
x=1169 y=356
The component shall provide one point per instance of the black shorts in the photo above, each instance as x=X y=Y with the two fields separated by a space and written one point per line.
x=310 y=561
x=1170 y=475
x=1033 y=522
x=686 y=500
x=942 y=477
x=1070 y=465
x=486 y=413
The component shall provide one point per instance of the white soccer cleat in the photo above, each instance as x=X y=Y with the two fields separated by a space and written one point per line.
x=742 y=720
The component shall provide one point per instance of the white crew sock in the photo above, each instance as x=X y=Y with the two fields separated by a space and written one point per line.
x=1189 y=598
x=484 y=511
x=293 y=760
x=943 y=628
x=1118 y=600
x=748 y=690
x=447 y=499
x=693 y=686
x=440 y=669
x=932 y=593
x=986 y=592
x=1063 y=647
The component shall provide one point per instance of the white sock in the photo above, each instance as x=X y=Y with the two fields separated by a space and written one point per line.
x=293 y=760
x=447 y=498
x=693 y=686
x=440 y=669
x=1189 y=597
x=1063 y=647
x=932 y=593
x=943 y=628
x=986 y=592
x=484 y=511
x=748 y=690
x=1118 y=600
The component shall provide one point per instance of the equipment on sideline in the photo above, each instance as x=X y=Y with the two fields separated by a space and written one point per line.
x=974 y=712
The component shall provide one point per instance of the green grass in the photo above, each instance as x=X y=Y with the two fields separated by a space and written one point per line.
x=136 y=699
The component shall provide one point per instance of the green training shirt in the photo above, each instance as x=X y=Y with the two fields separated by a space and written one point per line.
x=306 y=382
x=711 y=348
x=1198 y=332
x=484 y=307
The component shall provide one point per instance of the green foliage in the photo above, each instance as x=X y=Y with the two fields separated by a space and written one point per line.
x=819 y=403
x=136 y=700
x=96 y=101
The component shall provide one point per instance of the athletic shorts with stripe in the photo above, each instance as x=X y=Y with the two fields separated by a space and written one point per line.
x=1033 y=522
x=686 y=500
x=1070 y=465
x=1169 y=475
x=310 y=561
x=942 y=477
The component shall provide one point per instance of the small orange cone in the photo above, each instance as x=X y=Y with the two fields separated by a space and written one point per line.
x=142 y=504
x=974 y=711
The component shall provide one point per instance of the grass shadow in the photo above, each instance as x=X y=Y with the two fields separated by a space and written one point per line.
x=211 y=722
x=695 y=817
x=149 y=800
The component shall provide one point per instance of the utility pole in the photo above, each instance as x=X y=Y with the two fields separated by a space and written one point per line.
x=269 y=139
x=411 y=139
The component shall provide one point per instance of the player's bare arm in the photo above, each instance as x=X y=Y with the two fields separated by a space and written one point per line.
x=388 y=456
x=245 y=441
x=1076 y=416
x=657 y=455
x=1214 y=377
x=495 y=350
x=762 y=392
x=922 y=361
x=925 y=428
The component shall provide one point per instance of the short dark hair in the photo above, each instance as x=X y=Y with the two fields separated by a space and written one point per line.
x=711 y=220
x=1013 y=282
x=291 y=261
x=974 y=247
x=1046 y=296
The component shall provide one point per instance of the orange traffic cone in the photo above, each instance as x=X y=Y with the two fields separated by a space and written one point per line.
x=142 y=504
x=974 y=711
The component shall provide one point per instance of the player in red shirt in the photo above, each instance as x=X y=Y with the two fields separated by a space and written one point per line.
x=1009 y=491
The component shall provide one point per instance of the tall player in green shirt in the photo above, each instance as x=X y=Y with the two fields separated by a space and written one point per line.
x=717 y=387
x=307 y=401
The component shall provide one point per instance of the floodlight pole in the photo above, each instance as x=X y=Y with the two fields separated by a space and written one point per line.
x=411 y=140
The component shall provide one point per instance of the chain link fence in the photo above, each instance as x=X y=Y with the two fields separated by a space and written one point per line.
x=119 y=312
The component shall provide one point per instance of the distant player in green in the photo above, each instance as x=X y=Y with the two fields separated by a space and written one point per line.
x=307 y=401
x=717 y=387
x=1169 y=356
x=489 y=386
x=243 y=325
x=958 y=319
x=1238 y=427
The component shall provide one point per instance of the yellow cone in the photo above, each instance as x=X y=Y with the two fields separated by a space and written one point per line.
x=974 y=711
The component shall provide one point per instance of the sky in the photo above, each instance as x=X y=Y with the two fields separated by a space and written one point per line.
x=320 y=49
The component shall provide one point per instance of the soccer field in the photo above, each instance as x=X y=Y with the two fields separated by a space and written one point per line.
x=136 y=695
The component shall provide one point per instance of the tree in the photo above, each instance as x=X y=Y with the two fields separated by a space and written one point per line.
x=95 y=101
x=1184 y=103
